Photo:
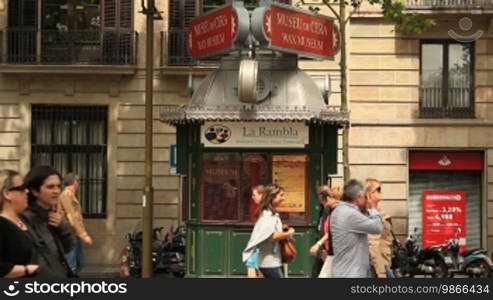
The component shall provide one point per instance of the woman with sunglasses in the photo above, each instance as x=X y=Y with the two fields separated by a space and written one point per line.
x=16 y=251
x=268 y=232
x=380 y=245
x=54 y=235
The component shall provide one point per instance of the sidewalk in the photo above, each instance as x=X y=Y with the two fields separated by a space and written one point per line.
x=100 y=271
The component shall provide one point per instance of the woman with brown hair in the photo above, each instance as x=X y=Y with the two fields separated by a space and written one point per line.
x=328 y=198
x=17 y=253
x=380 y=245
x=268 y=232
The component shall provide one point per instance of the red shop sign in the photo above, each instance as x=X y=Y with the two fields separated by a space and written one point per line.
x=446 y=160
x=443 y=212
x=213 y=33
x=296 y=31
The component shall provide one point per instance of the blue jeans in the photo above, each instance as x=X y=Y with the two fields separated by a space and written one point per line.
x=272 y=272
x=75 y=258
x=390 y=273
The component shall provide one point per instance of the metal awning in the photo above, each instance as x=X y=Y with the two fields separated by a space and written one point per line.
x=285 y=94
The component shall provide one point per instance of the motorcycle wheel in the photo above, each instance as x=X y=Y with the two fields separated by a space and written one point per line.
x=135 y=272
x=441 y=270
x=179 y=274
x=485 y=269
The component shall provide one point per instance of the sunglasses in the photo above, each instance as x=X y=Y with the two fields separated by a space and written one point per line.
x=379 y=189
x=326 y=195
x=19 y=188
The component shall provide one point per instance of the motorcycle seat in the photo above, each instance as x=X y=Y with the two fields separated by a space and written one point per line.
x=471 y=251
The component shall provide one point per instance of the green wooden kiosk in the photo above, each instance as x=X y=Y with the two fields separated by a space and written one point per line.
x=225 y=145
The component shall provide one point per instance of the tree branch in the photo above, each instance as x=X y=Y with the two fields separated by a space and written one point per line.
x=350 y=15
x=356 y=8
x=326 y=2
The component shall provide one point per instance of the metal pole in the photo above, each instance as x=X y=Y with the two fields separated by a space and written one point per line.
x=344 y=98
x=148 y=199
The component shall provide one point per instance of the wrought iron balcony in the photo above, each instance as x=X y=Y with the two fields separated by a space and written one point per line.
x=79 y=47
x=449 y=4
x=174 y=51
x=457 y=103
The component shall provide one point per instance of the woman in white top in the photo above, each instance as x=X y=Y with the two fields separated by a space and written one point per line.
x=268 y=232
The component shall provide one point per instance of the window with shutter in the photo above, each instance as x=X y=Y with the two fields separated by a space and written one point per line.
x=21 y=34
x=73 y=31
x=110 y=14
x=208 y=5
x=118 y=38
x=126 y=13
x=181 y=13
x=22 y=14
x=14 y=12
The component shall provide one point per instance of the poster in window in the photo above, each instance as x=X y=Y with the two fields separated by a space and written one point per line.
x=255 y=171
x=444 y=212
x=289 y=171
x=220 y=187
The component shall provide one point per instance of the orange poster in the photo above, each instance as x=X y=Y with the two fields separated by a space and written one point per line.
x=289 y=172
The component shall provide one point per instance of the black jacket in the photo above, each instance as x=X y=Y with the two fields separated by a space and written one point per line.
x=51 y=242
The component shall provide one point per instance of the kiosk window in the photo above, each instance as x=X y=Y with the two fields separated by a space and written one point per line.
x=220 y=187
x=227 y=180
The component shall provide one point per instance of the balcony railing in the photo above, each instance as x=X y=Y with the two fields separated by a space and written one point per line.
x=459 y=103
x=175 y=53
x=79 y=47
x=448 y=4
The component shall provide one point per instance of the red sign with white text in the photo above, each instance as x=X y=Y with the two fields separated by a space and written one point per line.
x=305 y=33
x=213 y=32
x=444 y=212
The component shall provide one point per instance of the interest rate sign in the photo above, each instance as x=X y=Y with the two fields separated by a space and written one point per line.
x=213 y=33
x=297 y=31
x=443 y=213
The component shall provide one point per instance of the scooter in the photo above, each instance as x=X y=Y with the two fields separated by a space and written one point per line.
x=410 y=260
x=135 y=251
x=173 y=255
x=168 y=252
x=474 y=262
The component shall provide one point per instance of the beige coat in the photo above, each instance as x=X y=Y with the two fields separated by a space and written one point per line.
x=72 y=211
x=380 y=246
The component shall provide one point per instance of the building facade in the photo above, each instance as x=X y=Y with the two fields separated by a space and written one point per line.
x=421 y=111
x=72 y=77
x=72 y=96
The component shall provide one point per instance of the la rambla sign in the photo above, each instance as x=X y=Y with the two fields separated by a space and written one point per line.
x=254 y=135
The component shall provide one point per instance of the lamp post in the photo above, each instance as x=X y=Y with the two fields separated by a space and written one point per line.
x=148 y=197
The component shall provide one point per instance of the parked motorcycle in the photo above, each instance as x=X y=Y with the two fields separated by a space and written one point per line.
x=168 y=251
x=474 y=262
x=410 y=260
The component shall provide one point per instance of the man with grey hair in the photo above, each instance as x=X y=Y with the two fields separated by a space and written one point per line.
x=72 y=212
x=350 y=225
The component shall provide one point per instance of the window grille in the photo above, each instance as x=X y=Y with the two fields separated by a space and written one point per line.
x=74 y=139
